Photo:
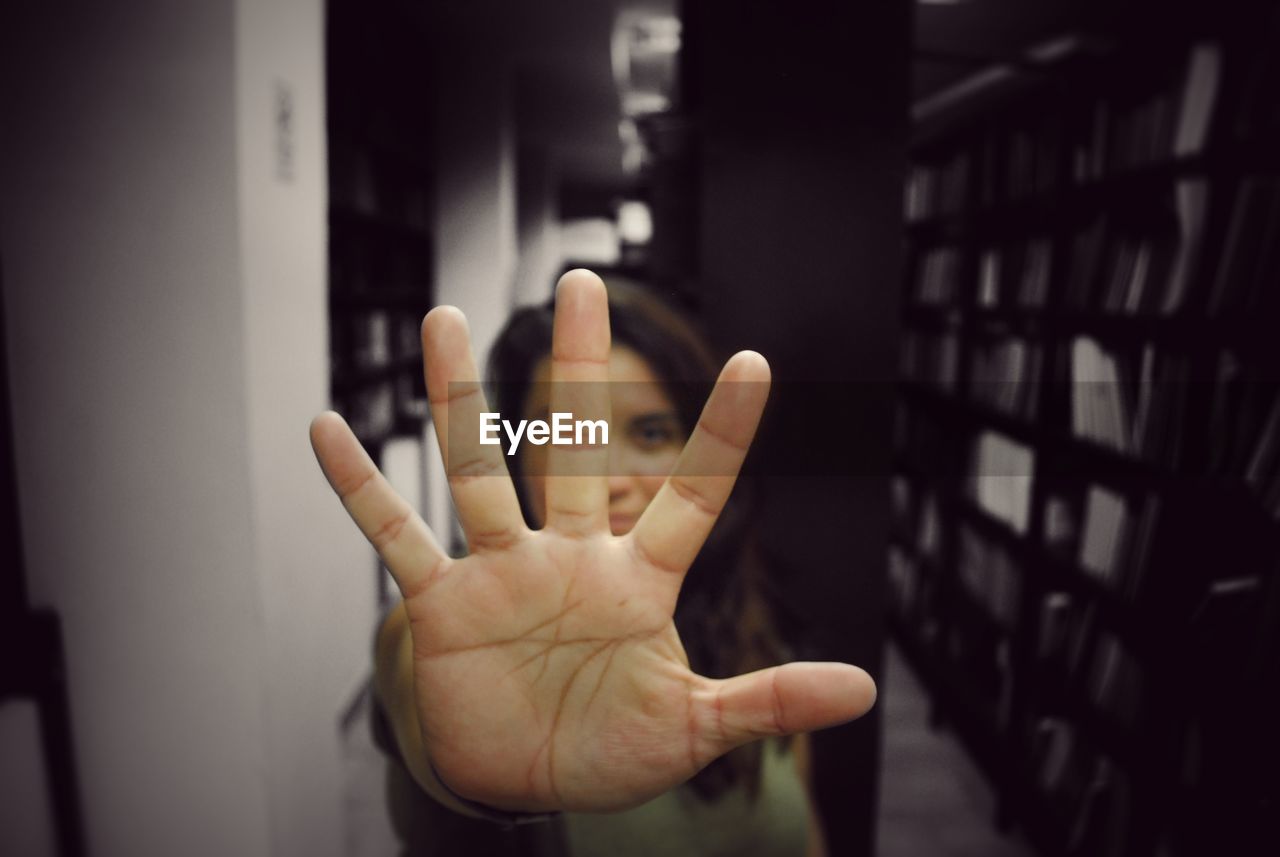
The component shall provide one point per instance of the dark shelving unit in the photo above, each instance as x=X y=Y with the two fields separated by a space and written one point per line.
x=381 y=223
x=1085 y=552
x=380 y=216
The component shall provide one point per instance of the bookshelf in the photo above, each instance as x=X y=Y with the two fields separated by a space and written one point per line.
x=380 y=217
x=1085 y=556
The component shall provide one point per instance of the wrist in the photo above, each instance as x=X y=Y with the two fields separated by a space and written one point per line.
x=509 y=819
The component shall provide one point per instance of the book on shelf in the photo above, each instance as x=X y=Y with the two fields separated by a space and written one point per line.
x=1104 y=536
x=1127 y=263
x=1117 y=539
x=1142 y=544
x=1265 y=452
x=1191 y=204
x=1061 y=526
x=1115 y=680
x=1142 y=132
x=1235 y=404
x=900 y=495
x=1201 y=85
x=1017 y=273
x=1061 y=760
x=1065 y=623
x=1097 y=402
x=1085 y=262
x=1101 y=824
x=1004 y=375
x=1089 y=143
x=1162 y=396
x=1250 y=260
x=1133 y=404
x=1021 y=161
x=1243 y=420
x=938 y=279
x=929 y=534
x=989 y=277
x=1263 y=472
x=931 y=358
x=1035 y=267
x=1001 y=471
x=1052 y=629
x=990 y=575
x=1145 y=263
x=1171 y=119
x=1087 y=791
x=937 y=189
x=1234 y=396
x=371 y=339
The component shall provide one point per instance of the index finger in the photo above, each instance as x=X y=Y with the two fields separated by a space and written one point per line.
x=673 y=528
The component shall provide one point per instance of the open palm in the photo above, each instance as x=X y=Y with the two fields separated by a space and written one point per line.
x=547 y=671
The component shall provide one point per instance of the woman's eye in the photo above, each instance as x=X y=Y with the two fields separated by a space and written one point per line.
x=654 y=433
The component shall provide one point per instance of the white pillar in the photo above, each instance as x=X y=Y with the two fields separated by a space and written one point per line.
x=165 y=286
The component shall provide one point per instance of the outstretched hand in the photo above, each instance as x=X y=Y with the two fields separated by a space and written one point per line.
x=547 y=671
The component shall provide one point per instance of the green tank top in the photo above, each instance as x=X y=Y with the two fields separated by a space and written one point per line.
x=680 y=823
x=675 y=824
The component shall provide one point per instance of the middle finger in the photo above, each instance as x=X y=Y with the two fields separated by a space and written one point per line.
x=577 y=484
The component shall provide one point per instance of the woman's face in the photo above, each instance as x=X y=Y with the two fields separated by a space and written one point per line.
x=645 y=438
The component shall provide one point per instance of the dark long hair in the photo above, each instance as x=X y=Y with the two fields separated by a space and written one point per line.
x=721 y=616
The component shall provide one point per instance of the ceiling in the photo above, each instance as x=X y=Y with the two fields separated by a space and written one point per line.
x=953 y=39
x=565 y=96
x=565 y=99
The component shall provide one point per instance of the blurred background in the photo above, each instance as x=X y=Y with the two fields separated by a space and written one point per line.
x=1017 y=259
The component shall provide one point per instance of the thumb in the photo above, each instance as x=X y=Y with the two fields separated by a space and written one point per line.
x=796 y=697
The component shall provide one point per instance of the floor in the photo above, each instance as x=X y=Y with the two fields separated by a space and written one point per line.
x=369 y=832
x=933 y=802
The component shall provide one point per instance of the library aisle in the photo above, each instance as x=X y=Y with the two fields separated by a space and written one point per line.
x=368 y=827
x=933 y=802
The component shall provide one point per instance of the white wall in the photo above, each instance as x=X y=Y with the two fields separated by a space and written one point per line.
x=166 y=299
x=26 y=813
x=315 y=572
